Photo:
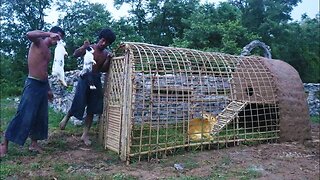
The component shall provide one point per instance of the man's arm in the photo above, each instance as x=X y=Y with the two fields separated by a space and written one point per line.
x=107 y=62
x=36 y=35
x=81 y=51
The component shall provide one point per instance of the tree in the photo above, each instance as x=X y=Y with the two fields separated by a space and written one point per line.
x=158 y=22
x=216 y=29
x=166 y=21
x=265 y=17
x=82 y=21
x=299 y=46
x=138 y=12
x=17 y=18
x=125 y=31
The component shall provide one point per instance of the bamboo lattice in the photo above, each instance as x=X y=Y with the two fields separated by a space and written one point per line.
x=154 y=92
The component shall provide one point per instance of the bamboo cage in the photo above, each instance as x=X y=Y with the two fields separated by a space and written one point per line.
x=154 y=94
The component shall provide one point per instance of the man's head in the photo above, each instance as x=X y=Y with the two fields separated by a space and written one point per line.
x=59 y=31
x=106 y=38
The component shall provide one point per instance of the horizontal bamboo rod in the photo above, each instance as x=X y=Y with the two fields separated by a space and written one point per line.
x=203 y=143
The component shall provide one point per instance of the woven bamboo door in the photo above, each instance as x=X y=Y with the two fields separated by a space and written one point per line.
x=113 y=103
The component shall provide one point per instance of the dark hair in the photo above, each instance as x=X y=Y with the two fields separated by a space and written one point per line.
x=108 y=35
x=56 y=29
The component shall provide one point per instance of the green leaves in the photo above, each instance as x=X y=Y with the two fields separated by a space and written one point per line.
x=17 y=18
x=299 y=46
x=81 y=21
x=216 y=29
x=224 y=27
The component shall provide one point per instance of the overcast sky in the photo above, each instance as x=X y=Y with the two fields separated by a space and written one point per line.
x=310 y=7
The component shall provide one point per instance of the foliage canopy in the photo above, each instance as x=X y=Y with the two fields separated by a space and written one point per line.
x=225 y=27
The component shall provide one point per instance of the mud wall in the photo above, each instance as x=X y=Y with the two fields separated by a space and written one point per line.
x=293 y=107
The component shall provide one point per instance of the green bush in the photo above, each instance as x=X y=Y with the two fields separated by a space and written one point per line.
x=10 y=90
x=315 y=119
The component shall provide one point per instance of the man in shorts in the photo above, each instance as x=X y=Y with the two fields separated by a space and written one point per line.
x=86 y=98
x=31 y=119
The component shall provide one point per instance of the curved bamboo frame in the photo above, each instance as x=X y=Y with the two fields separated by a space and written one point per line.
x=153 y=92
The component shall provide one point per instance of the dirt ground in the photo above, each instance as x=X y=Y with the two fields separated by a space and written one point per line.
x=265 y=161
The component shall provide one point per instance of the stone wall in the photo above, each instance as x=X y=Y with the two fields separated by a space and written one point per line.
x=313 y=91
x=63 y=95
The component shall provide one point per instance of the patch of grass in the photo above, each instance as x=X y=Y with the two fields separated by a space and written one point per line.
x=190 y=164
x=54 y=119
x=250 y=173
x=17 y=151
x=187 y=163
x=60 y=167
x=147 y=138
x=55 y=144
x=69 y=88
x=7 y=111
x=315 y=119
x=11 y=164
x=152 y=138
x=184 y=177
x=122 y=176
x=72 y=176
x=35 y=166
x=7 y=170
x=9 y=108
x=218 y=174
x=226 y=160
x=242 y=174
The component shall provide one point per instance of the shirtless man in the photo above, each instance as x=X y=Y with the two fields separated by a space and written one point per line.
x=31 y=118
x=84 y=97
